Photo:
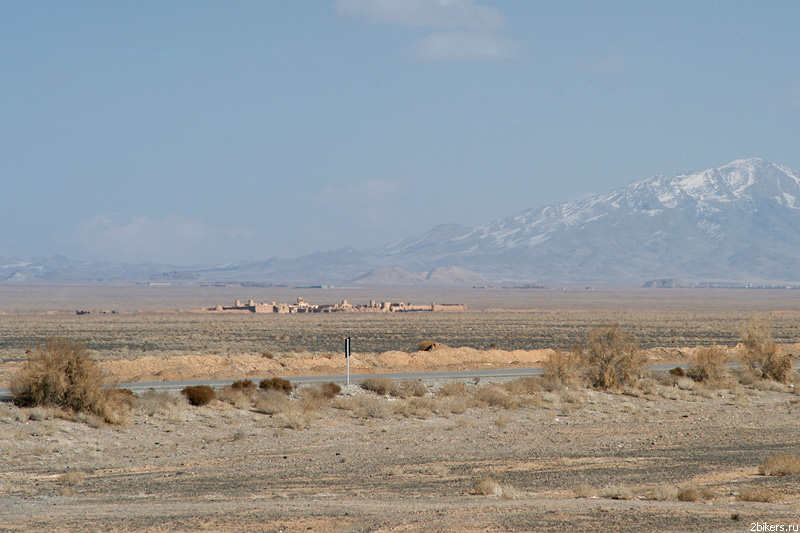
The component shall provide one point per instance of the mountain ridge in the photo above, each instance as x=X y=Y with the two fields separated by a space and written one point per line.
x=736 y=223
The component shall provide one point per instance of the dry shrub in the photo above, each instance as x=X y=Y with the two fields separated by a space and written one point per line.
x=271 y=402
x=278 y=384
x=488 y=486
x=758 y=494
x=199 y=394
x=708 y=364
x=688 y=495
x=618 y=492
x=708 y=494
x=371 y=407
x=317 y=396
x=164 y=403
x=613 y=358
x=416 y=407
x=243 y=384
x=495 y=397
x=780 y=465
x=71 y=478
x=240 y=398
x=584 y=490
x=662 y=493
x=382 y=385
x=677 y=372
x=562 y=367
x=451 y=404
x=453 y=388
x=63 y=374
x=761 y=354
x=411 y=388
x=523 y=386
x=294 y=418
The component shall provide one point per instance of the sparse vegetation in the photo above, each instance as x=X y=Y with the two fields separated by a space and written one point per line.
x=488 y=486
x=758 y=494
x=762 y=355
x=244 y=384
x=61 y=373
x=613 y=358
x=199 y=394
x=562 y=367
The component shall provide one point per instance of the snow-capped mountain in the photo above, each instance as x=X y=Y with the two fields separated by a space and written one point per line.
x=739 y=222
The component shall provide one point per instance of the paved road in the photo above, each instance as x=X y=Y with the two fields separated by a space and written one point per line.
x=354 y=378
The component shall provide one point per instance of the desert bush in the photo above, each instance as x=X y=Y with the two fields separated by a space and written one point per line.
x=613 y=358
x=523 y=386
x=316 y=396
x=417 y=407
x=243 y=384
x=617 y=492
x=61 y=373
x=758 y=494
x=677 y=372
x=71 y=478
x=495 y=397
x=427 y=346
x=562 y=367
x=688 y=495
x=584 y=490
x=278 y=384
x=382 y=385
x=780 y=465
x=199 y=394
x=453 y=388
x=411 y=388
x=371 y=407
x=708 y=364
x=761 y=354
x=451 y=404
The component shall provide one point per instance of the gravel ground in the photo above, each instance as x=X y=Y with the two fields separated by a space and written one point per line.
x=552 y=459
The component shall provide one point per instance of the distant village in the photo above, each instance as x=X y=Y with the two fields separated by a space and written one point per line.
x=301 y=306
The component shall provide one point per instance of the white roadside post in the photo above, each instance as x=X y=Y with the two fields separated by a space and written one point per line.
x=347 y=357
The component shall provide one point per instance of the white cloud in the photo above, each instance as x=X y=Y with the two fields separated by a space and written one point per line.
x=443 y=14
x=605 y=64
x=466 y=30
x=464 y=46
x=172 y=239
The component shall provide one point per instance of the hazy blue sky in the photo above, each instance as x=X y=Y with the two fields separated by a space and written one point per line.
x=200 y=131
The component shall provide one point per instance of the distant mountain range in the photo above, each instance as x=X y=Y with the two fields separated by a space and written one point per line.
x=736 y=223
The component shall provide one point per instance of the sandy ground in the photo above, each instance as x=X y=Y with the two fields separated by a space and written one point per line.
x=558 y=459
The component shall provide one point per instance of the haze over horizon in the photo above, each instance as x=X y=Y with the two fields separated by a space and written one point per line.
x=208 y=132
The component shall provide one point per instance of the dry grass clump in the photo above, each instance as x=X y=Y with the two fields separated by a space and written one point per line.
x=617 y=492
x=662 y=493
x=411 y=388
x=453 y=388
x=271 y=402
x=71 y=478
x=495 y=396
x=63 y=374
x=688 y=495
x=382 y=385
x=780 y=465
x=613 y=358
x=278 y=384
x=488 y=486
x=524 y=386
x=761 y=354
x=199 y=394
x=317 y=396
x=456 y=405
x=758 y=494
x=241 y=398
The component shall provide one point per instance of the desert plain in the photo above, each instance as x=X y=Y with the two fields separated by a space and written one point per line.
x=428 y=454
